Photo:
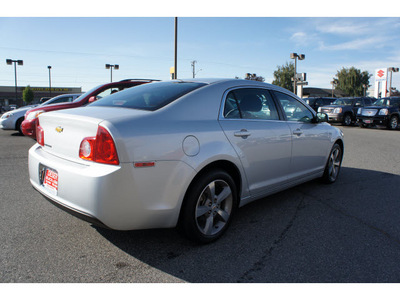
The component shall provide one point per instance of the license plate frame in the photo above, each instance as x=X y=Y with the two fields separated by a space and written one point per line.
x=48 y=179
x=368 y=121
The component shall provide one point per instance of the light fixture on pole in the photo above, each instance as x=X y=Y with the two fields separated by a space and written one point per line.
x=296 y=56
x=116 y=67
x=49 y=67
x=391 y=70
x=20 y=63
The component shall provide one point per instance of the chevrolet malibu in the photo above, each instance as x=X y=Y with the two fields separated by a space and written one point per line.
x=183 y=153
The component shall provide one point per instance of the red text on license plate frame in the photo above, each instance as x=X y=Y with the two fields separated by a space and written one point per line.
x=51 y=180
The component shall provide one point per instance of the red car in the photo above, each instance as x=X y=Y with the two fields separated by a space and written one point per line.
x=28 y=126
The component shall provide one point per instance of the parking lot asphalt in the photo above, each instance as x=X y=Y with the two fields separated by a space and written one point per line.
x=345 y=232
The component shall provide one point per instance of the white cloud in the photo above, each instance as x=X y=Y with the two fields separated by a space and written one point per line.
x=343 y=27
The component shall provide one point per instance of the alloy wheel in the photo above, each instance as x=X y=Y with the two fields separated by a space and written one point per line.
x=394 y=122
x=214 y=207
x=334 y=164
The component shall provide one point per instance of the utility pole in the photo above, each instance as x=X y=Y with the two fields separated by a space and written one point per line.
x=193 y=68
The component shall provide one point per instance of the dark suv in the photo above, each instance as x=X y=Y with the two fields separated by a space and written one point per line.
x=385 y=111
x=344 y=110
x=316 y=102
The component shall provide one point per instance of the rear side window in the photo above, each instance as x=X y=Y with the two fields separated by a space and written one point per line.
x=151 y=96
x=250 y=103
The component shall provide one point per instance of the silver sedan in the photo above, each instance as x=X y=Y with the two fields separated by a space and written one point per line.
x=182 y=153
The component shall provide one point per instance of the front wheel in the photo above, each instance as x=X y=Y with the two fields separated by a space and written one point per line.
x=347 y=120
x=208 y=207
x=393 y=122
x=333 y=165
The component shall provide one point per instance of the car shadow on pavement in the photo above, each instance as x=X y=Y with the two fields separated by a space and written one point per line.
x=343 y=232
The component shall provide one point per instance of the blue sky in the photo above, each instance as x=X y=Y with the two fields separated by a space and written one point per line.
x=78 y=48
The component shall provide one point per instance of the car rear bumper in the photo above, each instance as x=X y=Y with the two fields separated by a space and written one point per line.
x=118 y=197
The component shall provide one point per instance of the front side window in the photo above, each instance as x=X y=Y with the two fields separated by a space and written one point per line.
x=294 y=109
x=250 y=103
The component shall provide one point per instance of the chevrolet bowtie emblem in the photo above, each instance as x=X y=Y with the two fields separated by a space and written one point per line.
x=59 y=129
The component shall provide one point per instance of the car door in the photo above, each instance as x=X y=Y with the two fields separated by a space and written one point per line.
x=309 y=140
x=260 y=137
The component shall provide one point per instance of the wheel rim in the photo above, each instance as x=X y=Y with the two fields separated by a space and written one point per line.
x=347 y=120
x=214 y=207
x=334 y=164
x=394 y=123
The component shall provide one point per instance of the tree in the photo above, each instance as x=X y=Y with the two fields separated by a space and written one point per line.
x=352 y=81
x=283 y=76
x=27 y=95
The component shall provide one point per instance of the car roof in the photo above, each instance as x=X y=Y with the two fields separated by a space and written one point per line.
x=233 y=82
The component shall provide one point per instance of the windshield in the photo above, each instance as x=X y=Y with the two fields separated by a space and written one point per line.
x=386 y=102
x=151 y=96
x=343 y=101
x=87 y=93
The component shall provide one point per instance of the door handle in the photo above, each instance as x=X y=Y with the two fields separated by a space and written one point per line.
x=298 y=132
x=242 y=133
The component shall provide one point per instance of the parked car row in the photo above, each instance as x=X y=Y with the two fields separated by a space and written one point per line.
x=365 y=111
x=12 y=120
x=29 y=125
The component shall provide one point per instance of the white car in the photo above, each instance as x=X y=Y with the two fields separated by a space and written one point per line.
x=13 y=119
x=181 y=152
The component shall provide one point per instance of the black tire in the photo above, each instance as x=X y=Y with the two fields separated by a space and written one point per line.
x=347 y=120
x=393 y=123
x=208 y=207
x=333 y=165
x=18 y=125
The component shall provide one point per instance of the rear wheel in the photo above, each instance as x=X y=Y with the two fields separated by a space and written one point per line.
x=333 y=164
x=393 y=122
x=208 y=207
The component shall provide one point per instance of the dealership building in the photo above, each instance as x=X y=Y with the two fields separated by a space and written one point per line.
x=7 y=94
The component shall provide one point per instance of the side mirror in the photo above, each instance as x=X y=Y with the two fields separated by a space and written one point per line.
x=320 y=118
x=92 y=99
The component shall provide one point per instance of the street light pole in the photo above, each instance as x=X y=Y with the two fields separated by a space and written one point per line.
x=116 y=67
x=391 y=70
x=49 y=67
x=295 y=56
x=20 y=63
x=193 y=68
x=176 y=49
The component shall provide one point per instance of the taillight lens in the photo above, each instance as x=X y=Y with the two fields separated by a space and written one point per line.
x=99 y=149
x=86 y=148
x=40 y=135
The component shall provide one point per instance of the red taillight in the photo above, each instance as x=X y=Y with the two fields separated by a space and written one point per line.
x=40 y=135
x=86 y=148
x=99 y=149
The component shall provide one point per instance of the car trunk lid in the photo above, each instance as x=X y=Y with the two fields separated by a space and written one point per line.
x=65 y=130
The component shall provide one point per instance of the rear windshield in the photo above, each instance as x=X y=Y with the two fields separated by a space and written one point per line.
x=151 y=96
